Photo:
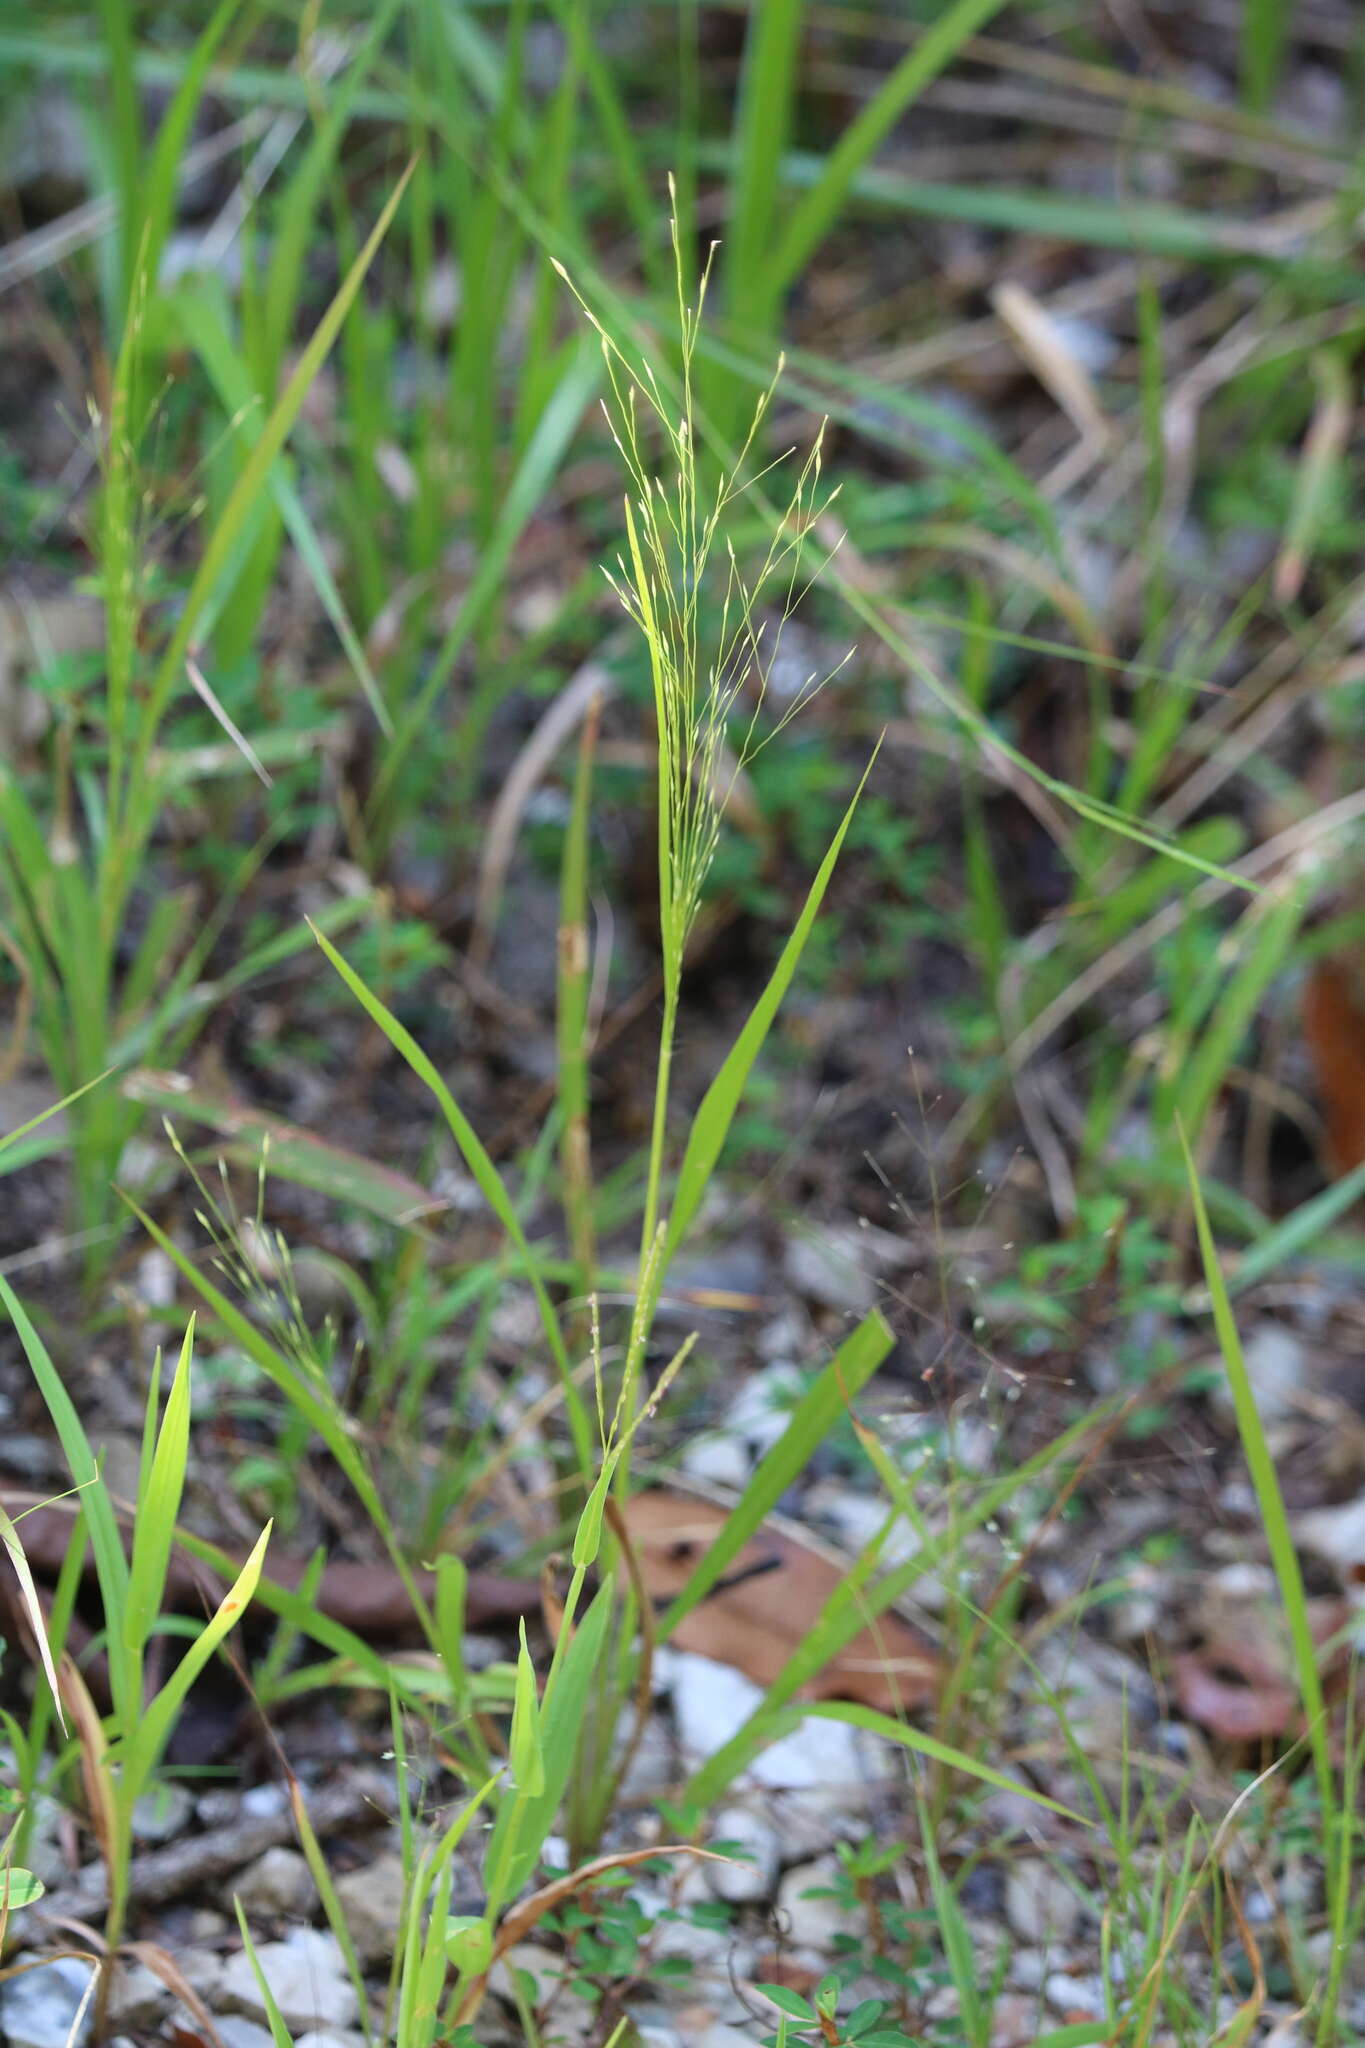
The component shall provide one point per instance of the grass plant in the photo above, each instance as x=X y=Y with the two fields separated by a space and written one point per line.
x=369 y=395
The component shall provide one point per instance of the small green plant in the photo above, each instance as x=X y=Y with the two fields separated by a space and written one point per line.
x=817 y=2021
x=121 y=1764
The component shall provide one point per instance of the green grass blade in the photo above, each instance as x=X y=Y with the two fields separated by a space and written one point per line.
x=814 y=1416
x=110 y=1562
x=201 y=314
x=1277 y=924
x=525 y=1820
x=279 y=2032
x=239 y=509
x=544 y=454
x=154 y=1726
x=488 y=1180
x=1299 y=1230
x=158 y=1507
x=1269 y=1499
x=815 y=214
x=711 y=1124
x=762 y=124
x=1265 y=37
x=160 y=180
x=857 y=1601
x=892 y=1730
x=295 y=217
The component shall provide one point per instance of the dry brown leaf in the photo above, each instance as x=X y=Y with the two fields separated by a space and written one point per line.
x=1334 y=1026
x=766 y=1604
x=1241 y=1684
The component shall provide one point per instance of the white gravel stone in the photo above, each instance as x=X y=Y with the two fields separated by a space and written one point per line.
x=372 y=1900
x=238 y=2032
x=1075 y=1994
x=815 y=1922
x=720 y=1459
x=1277 y=1366
x=278 y=1883
x=831 y=1269
x=743 y=1882
x=38 y=2007
x=712 y=1701
x=307 y=1976
x=1040 y=1905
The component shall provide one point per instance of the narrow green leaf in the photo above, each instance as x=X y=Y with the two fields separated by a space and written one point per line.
x=222 y=542
x=523 y=1746
x=1269 y=1499
x=110 y=1562
x=711 y=1124
x=523 y=1823
x=159 y=1506
x=811 y=219
x=279 y=2032
x=892 y=1730
x=153 y=1730
x=487 y=1178
x=1298 y=1231
x=815 y=1415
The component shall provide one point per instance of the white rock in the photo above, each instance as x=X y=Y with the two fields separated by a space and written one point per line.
x=155 y=1279
x=1337 y=1534
x=1075 y=1994
x=138 y=1999
x=262 y=1802
x=43 y=1855
x=831 y=1269
x=278 y=1883
x=202 y=1970
x=327 y=2037
x=243 y=2033
x=753 y=1877
x=815 y=1922
x=307 y=1976
x=763 y=1407
x=653 y=2027
x=1277 y=1367
x=721 y=1459
x=653 y=1767
x=575 y=2020
x=372 y=1900
x=712 y=1701
x=1040 y=1905
x=38 y=2007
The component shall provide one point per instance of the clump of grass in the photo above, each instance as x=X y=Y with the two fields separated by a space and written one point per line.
x=707 y=624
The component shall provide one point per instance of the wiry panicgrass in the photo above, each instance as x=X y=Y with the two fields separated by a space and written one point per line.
x=344 y=408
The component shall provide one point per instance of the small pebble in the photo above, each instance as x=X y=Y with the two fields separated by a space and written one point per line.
x=1040 y=1905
